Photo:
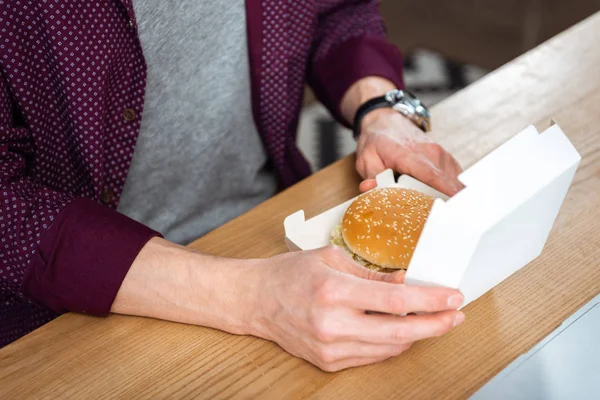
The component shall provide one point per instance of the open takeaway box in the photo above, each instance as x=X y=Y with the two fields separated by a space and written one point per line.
x=496 y=225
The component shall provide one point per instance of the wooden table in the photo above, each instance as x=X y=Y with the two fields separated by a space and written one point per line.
x=84 y=357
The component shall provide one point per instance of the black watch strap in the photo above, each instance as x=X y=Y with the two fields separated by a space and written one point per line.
x=373 y=104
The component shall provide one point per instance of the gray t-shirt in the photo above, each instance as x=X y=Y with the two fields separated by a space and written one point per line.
x=199 y=161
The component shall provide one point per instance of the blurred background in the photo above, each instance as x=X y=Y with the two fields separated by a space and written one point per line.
x=447 y=45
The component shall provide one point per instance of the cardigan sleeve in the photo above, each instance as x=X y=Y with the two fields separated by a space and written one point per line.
x=63 y=252
x=350 y=44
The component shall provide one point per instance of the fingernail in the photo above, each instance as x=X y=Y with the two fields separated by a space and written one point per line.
x=455 y=300
x=459 y=319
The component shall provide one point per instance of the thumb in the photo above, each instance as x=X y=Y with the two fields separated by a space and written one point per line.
x=339 y=259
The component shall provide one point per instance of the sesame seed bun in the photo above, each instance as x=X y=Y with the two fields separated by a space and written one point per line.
x=383 y=225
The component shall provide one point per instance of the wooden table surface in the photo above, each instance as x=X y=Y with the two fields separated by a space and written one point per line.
x=77 y=356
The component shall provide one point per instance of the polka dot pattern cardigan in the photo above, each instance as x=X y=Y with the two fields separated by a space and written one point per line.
x=72 y=81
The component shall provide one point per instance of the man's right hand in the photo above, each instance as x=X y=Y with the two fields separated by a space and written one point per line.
x=314 y=303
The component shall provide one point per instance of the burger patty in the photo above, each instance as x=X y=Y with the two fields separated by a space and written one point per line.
x=338 y=240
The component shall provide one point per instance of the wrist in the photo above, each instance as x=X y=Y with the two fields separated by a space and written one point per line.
x=233 y=289
x=380 y=113
x=223 y=293
x=361 y=92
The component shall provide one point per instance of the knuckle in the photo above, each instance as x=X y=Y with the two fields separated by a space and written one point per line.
x=398 y=334
x=395 y=304
x=429 y=299
x=443 y=326
x=438 y=331
x=431 y=303
x=401 y=348
x=329 y=367
x=326 y=356
x=407 y=346
x=323 y=329
x=326 y=293
x=436 y=148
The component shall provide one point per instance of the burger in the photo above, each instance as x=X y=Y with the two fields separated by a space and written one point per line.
x=380 y=229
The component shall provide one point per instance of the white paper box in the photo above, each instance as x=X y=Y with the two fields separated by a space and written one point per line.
x=492 y=228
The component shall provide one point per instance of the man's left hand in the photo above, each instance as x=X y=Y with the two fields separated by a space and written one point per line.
x=390 y=140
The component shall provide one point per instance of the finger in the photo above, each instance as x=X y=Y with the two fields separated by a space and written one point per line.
x=452 y=168
x=451 y=178
x=457 y=171
x=446 y=164
x=391 y=329
x=339 y=354
x=379 y=296
x=425 y=162
x=338 y=259
x=452 y=165
x=423 y=169
x=360 y=166
x=372 y=164
x=457 y=167
x=367 y=185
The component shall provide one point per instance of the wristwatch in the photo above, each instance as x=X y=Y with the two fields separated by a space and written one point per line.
x=400 y=100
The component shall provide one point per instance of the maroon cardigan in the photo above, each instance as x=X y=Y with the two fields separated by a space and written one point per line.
x=72 y=88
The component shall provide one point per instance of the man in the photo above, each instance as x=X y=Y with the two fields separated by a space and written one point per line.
x=210 y=106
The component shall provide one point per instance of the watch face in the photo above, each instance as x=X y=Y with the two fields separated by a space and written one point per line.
x=407 y=104
x=409 y=96
x=412 y=100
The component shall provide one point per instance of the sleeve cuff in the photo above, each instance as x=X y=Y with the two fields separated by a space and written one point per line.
x=356 y=58
x=83 y=258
